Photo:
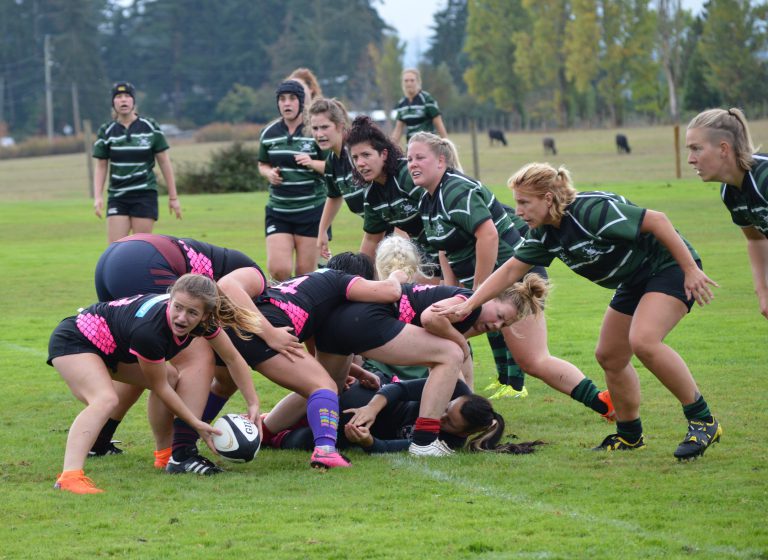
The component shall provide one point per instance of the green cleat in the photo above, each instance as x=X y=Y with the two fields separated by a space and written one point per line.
x=615 y=442
x=699 y=437
x=509 y=392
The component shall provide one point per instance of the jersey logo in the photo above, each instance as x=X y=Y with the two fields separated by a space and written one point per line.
x=289 y=286
x=307 y=146
x=147 y=305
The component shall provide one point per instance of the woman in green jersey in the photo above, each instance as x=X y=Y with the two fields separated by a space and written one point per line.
x=657 y=277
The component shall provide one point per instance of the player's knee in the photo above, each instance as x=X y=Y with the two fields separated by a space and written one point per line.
x=279 y=273
x=643 y=346
x=105 y=403
x=608 y=360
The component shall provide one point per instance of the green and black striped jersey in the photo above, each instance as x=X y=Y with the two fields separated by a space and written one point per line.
x=395 y=203
x=599 y=238
x=302 y=189
x=417 y=115
x=451 y=215
x=748 y=205
x=340 y=182
x=131 y=154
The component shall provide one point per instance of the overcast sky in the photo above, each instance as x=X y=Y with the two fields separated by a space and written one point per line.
x=413 y=20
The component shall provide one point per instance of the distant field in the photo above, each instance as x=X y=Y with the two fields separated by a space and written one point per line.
x=562 y=502
x=589 y=154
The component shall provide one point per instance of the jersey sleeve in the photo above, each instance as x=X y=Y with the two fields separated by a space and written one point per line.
x=263 y=150
x=470 y=211
x=159 y=142
x=100 y=148
x=372 y=220
x=331 y=188
x=431 y=109
x=533 y=251
x=146 y=343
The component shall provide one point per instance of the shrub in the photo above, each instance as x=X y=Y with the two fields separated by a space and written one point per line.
x=39 y=146
x=226 y=132
x=232 y=169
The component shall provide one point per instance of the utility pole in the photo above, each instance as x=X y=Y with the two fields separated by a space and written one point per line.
x=48 y=89
x=2 y=98
x=76 y=109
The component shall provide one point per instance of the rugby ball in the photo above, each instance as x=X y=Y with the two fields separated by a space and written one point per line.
x=239 y=441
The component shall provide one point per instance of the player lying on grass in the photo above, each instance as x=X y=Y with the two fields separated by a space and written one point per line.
x=130 y=340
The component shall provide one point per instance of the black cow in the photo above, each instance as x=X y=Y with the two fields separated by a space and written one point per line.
x=549 y=146
x=622 y=144
x=496 y=134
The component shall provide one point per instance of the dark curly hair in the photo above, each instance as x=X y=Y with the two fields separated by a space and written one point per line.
x=363 y=129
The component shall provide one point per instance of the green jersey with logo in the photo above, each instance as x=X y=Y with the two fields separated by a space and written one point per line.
x=599 y=238
x=417 y=115
x=302 y=188
x=131 y=154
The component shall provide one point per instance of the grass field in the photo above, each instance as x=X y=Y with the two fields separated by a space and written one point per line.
x=562 y=502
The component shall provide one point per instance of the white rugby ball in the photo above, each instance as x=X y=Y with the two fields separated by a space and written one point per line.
x=240 y=439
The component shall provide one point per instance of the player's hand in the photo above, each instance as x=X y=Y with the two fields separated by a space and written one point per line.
x=206 y=432
x=455 y=311
x=174 y=207
x=98 y=206
x=362 y=416
x=359 y=435
x=369 y=380
x=275 y=177
x=697 y=284
x=322 y=245
x=303 y=159
x=283 y=341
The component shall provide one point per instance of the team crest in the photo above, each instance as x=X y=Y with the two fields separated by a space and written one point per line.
x=306 y=146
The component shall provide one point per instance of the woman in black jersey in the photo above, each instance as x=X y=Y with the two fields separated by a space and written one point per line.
x=328 y=121
x=657 y=276
x=130 y=340
x=391 y=199
x=149 y=264
x=720 y=149
x=304 y=303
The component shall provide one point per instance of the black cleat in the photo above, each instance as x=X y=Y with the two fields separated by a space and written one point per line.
x=195 y=463
x=700 y=436
x=109 y=449
x=615 y=442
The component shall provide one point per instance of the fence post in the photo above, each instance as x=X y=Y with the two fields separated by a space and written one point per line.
x=88 y=142
x=677 y=151
x=475 y=159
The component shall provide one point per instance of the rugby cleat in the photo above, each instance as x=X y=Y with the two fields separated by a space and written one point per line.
x=109 y=449
x=196 y=464
x=700 y=436
x=509 y=392
x=615 y=442
x=605 y=397
x=437 y=448
x=77 y=483
x=328 y=459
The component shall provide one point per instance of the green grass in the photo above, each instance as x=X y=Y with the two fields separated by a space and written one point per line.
x=562 y=502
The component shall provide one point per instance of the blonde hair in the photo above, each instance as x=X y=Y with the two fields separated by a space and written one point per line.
x=308 y=78
x=528 y=295
x=439 y=147
x=221 y=310
x=538 y=179
x=729 y=126
x=398 y=253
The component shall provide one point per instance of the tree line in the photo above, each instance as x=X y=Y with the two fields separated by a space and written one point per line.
x=525 y=63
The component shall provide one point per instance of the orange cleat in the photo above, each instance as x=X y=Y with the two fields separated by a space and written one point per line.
x=161 y=458
x=77 y=483
x=605 y=396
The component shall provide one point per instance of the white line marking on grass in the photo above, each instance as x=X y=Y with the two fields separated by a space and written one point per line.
x=420 y=467
x=23 y=349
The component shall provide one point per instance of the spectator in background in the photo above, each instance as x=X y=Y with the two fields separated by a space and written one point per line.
x=417 y=111
x=127 y=147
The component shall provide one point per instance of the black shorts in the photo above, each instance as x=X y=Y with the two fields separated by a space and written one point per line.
x=142 y=205
x=667 y=281
x=132 y=267
x=304 y=223
x=255 y=350
x=67 y=340
x=354 y=328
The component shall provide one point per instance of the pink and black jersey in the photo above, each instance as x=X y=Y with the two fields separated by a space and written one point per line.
x=308 y=300
x=417 y=298
x=125 y=330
